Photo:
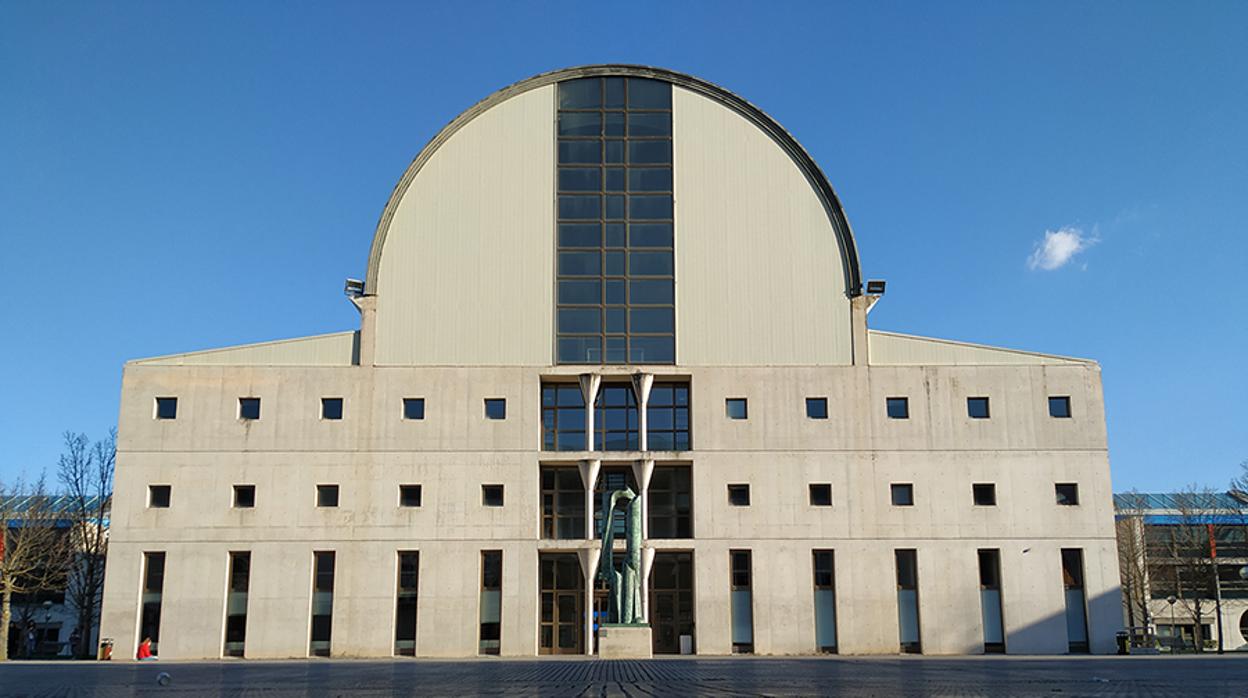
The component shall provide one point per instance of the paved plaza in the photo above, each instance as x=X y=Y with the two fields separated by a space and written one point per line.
x=842 y=676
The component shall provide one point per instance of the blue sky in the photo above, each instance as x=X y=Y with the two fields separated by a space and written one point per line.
x=178 y=176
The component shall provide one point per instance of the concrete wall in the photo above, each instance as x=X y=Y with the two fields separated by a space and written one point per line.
x=454 y=450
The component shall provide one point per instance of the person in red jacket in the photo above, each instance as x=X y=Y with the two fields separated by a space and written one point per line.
x=145 y=650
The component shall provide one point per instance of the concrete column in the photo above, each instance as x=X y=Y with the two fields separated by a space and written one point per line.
x=589 y=390
x=366 y=340
x=589 y=476
x=589 y=566
x=642 y=472
x=642 y=382
x=859 y=306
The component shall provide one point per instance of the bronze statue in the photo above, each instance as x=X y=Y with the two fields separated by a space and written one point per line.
x=624 y=595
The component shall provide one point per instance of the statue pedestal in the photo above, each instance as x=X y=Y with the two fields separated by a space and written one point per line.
x=617 y=641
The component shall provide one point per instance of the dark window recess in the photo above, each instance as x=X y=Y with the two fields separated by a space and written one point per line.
x=236 y=604
x=820 y=495
x=984 y=494
x=249 y=408
x=1059 y=407
x=495 y=408
x=492 y=495
x=563 y=504
x=739 y=495
x=1067 y=493
x=244 y=496
x=670 y=502
x=405 y=604
x=322 y=603
x=491 y=601
x=563 y=417
x=158 y=496
x=327 y=495
x=977 y=407
x=667 y=417
x=614 y=236
x=817 y=407
x=331 y=408
x=737 y=408
x=409 y=495
x=413 y=408
x=902 y=494
x=153 y=590
x=898 y=407
x=166 y=408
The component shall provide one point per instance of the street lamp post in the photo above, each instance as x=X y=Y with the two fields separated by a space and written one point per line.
x=1171 y=600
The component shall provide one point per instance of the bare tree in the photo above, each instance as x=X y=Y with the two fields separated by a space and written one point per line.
x=1187 y=569
x=33 y=550
x=1239 y=483
x=1133 y=557
x=85 y=471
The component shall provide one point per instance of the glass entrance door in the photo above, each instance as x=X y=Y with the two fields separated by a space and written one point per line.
x=671 y=601
x=562 y=613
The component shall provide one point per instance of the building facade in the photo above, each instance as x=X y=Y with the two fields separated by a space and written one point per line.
x=602 y=277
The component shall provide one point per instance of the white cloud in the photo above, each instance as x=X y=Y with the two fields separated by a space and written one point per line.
x=1058 y=247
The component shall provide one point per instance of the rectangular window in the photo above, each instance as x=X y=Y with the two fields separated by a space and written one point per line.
x=667 y=417
x=984 y=494
x=1076 y=603
x=614 y=262
x=820 y=495
x=413 y=408
x=563 y=417
x=495 y=408
x=491 y=602
x=563 y=504
x=898 y=407
x=825 y=602
x=409 y=495
x=977 y=407
x=610 y=479
x=817 y=407
x=1059 y=407
x=322 y=603
x=990 y=601
x=327 y=495
x=331 y=408
x=158 y=496
x=153 y=590
x=616 y=421
x=249 y=408
x=405 y=603
x=742 y=601
x=739 y=495
x=736 y=408
x=670 y=502
x=908 y=601
x=1067 y=493
x=166 y=408
x=902 y=494
x=244 y=496
x=492 y=495
x=236 y=604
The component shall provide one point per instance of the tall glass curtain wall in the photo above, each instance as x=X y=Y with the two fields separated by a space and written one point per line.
x=615 y=296
x=616 y=419
x=908 y=601
x=405 y=604
x=322 y=603
x=742 y=604
x=491 y=602
x=236 y=604
x=825 y=602
x=1076 y=603
x=990 y=600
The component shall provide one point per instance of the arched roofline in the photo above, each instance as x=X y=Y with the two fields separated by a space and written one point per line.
x=815 y=176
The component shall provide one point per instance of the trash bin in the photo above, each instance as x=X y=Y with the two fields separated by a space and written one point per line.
x=1122 y=636
x=686 y=644
x=106 y=649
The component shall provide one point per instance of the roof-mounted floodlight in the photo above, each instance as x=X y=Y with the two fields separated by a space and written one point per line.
x=875 y=287
x=354 y=288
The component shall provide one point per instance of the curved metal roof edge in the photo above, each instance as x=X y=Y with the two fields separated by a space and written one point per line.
x=831 y=203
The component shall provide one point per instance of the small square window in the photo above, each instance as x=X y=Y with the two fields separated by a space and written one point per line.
x=409 y=495
x=249 y=408
x=977 y=407
x=1067 y=493
x=495 y=408
x=898 y=407
x=158 y=496
x=984 y=494
x=737 y=408
x=244 y=496
x=821 y=495
x=1059 y=406
x=739 y=495
x=492 y=495
x=903 y=494
x=413 y=408
x=331 y=408
x=166 y=408
x=817 y=407
x=327 y=495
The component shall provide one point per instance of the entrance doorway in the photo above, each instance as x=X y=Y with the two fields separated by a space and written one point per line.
x=562 y=592
x=671 y=601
